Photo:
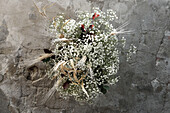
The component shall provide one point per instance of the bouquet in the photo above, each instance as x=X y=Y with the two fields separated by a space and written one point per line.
x=85 y=58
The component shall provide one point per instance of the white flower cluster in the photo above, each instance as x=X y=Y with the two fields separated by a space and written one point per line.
x=86 y=54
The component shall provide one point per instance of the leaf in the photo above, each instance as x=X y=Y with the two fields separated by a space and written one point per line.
x=66 y=84
x=106 y=87
x=103 y=88
x=46 y=60
x=47 y=51
x=104 y=91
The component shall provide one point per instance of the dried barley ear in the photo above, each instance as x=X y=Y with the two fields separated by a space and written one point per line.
x=42 y=57
x=43 y=10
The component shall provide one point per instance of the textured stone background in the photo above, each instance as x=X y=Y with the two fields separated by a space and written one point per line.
x=144 y=86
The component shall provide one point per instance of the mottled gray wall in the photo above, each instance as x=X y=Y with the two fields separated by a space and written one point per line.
x=144 y=86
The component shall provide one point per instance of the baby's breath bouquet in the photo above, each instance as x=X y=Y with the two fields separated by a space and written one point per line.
x=85 y=58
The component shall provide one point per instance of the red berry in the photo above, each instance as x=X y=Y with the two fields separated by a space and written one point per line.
x=82 y=26
x=94 y=16
x=91 y=26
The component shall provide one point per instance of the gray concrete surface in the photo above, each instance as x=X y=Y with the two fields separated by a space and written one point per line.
x=144 y=86
x=4 y=103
